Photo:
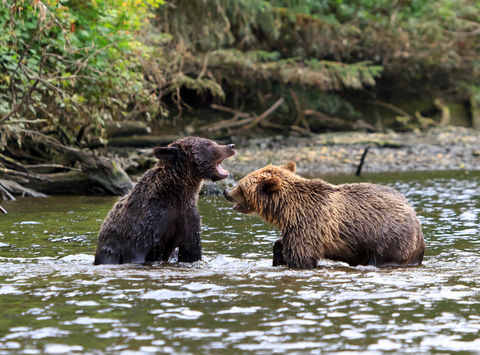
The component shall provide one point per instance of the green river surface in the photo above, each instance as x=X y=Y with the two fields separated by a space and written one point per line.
x=53 y=300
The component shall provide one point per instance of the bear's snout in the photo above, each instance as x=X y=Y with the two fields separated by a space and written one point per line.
x=235 y=195
x=226 y=193
x=229 y=150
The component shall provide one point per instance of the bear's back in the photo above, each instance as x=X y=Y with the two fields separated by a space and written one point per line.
x=379 y=224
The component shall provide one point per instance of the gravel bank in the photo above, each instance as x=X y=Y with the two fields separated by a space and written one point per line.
x=448 y=148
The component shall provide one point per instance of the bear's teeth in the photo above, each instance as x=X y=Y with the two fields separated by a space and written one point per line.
x=221 y=170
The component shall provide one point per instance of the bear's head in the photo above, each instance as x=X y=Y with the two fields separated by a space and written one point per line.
x=200 y=156
x=261 y=190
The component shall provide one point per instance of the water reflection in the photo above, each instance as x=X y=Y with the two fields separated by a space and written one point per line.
x=53 y=300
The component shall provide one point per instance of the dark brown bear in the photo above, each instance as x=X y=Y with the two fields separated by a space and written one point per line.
x=360 y=224
x=160 y=213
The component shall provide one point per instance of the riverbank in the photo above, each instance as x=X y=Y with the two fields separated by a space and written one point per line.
x=320 y=155
x=447 y=148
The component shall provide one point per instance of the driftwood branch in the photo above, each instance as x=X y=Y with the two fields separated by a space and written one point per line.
x=49 y=168
x=391 y=107
x=300 y=112
x=9 y=188
x=328 y=120
x=5 y=191
x=5 y=171
x=9 y=162
x=241 y=120
x=269 y=111
x=236 y=113
x=445 y=118
x=362 y=161
x=28 y=121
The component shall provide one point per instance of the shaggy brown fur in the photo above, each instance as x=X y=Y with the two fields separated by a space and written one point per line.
x=161 y=213
x=361 y=224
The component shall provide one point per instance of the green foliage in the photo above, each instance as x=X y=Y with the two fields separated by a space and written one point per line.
x=70 y=65
x=82 y=57
x=410 y=40
x=329 y=46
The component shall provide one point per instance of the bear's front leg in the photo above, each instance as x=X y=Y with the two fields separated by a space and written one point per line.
x=190 y=248
x=278 y=258
x=298 y=254
x=108 y=248
x=105 y=257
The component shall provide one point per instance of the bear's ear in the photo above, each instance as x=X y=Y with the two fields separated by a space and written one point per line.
x=271 y=184
x=290 y=166
x=165 y=152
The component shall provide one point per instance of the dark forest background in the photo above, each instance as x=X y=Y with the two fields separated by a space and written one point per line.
x=75 y=73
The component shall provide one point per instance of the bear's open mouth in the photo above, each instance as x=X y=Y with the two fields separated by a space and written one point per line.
x=221 y=172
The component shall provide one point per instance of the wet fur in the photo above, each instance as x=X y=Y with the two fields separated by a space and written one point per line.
x=161 y=213
x=360 y=224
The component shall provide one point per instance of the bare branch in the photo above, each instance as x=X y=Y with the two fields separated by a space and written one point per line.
x=266 y=113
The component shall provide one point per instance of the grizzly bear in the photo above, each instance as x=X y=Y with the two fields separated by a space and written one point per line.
x=160 y=213
x=360 y=224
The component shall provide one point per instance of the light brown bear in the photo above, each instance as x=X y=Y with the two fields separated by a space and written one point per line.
x=360 y=224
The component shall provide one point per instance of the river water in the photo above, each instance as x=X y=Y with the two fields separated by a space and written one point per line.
x=53 y=300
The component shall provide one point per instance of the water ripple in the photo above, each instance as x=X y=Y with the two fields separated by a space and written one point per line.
x=233 y=301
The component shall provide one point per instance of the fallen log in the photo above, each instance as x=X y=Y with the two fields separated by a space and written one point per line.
x=11 y=163
x=48 y=168
x=71 y=182
x=126 y=128
x=9 y=188
x=104 y=175
x=9 y=172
